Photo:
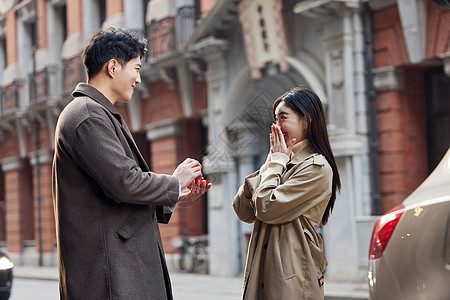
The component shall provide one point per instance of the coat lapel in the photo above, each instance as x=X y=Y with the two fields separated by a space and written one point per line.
x=133 y=146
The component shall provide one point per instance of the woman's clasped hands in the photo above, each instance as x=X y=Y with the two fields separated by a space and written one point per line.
x=278 y=142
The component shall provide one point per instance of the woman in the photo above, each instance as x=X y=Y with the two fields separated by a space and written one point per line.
x=287 y=199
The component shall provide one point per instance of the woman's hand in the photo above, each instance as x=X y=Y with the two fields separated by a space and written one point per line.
x=277 y=142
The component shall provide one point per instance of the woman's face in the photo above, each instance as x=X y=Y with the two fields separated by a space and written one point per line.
x=292 y=125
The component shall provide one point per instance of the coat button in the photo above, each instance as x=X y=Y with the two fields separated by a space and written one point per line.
x=265 y=245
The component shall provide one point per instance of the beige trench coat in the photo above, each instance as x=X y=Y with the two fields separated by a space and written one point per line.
x=286 y=201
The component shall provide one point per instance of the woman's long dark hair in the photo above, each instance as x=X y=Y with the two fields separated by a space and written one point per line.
x=307 y=104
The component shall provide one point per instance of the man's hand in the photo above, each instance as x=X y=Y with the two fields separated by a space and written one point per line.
x=195 y=190
x=187 y=171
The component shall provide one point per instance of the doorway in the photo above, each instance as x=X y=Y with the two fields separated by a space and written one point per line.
x=438 y=115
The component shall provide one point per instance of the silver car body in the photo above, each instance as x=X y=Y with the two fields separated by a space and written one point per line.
x=416 y=261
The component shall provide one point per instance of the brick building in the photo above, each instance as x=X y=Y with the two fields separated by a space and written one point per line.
x=381 y=67
x=160 y=115
x=411 y=66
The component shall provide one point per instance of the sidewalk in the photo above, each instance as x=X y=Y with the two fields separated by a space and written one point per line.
x=208 y=284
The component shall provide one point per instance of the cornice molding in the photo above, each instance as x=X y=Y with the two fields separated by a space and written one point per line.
x=45 y=157
x=388 y=78
x=167 y=128
x=11 y=164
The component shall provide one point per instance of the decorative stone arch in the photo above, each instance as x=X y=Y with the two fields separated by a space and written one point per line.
x=241 y=88
x=247 y=113
x=314 y=81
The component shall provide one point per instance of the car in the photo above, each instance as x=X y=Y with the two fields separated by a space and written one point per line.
x=409 y=255
x=6 y=276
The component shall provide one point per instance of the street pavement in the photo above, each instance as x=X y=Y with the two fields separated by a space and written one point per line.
x=42 y=283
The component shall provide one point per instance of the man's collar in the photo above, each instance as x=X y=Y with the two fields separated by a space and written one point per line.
x=84 y=89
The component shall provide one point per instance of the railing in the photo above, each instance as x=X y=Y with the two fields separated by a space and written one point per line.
x=10 y=97
x=161 y=37
x=48 y=84
x=168 y=34
x=185 y=23
x=73 y=73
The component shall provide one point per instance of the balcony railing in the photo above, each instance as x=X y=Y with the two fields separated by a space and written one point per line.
x=161 y=37
x=74 y=73
x=48 y=84
x=44 y=85
x=168 y=34
x=185 y=23
x=11 y=97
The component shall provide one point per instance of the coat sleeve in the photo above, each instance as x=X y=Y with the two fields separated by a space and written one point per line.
x=242 y=203
x=97 y=149
x=309 y=185
x=163 y=214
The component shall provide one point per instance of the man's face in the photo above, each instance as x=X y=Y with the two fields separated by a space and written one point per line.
x=126 y=79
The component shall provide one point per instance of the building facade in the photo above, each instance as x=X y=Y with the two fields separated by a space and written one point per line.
x=213 y=69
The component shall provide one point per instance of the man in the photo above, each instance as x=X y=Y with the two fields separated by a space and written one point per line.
x=107 y=202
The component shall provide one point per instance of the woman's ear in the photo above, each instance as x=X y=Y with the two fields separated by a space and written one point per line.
x=306 y=122
x=111 y=67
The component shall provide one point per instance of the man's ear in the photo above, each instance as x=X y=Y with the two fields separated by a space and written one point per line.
x=111 y=67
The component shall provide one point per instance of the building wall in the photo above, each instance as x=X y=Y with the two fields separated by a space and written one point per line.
x=164 y=103
x=157 y=100
x=388 y=39
x=437 y=30
x=401 y=104
x=74 y=17
x=401 y=122
x=11 y=38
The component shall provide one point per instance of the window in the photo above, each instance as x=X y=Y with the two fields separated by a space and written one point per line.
x=3 y=58
x=438 y=115
x=57 y=30
x=26 y=37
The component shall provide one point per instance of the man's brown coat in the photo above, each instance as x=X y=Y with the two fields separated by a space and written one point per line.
x=107 y=205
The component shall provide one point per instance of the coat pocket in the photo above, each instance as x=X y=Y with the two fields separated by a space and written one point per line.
x=132 y=222
x=287 y=263
x=316 y=252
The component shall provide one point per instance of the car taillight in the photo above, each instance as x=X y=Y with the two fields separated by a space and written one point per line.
x=382 y=231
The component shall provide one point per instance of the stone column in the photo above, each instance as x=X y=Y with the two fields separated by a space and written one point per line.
x=220 y=167
x=345 y=237
x=247 y=144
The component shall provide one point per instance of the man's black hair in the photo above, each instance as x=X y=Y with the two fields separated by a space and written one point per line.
x=112 y=43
